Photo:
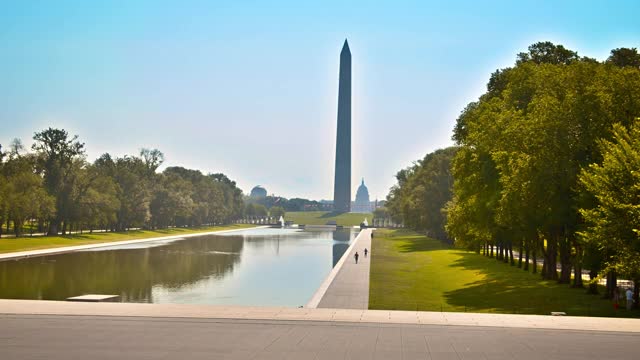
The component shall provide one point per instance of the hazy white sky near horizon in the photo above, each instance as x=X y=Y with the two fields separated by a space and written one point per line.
x=249 y=88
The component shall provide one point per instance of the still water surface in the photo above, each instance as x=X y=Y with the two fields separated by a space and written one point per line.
x=264 y=266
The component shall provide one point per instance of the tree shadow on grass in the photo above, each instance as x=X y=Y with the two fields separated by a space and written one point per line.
x=412 y=242
x=507 y=289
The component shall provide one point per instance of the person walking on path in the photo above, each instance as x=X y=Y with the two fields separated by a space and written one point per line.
x=616 y=298
x=356 y=256
x=365 y=252
x=629 y=294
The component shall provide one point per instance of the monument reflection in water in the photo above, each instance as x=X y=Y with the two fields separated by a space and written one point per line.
x=263 y=266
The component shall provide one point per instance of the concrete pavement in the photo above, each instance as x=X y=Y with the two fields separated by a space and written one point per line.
x=335 y=316
x=94 y=337
x=347 y=287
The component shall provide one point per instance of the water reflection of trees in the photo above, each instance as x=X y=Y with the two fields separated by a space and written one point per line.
x=131 y=273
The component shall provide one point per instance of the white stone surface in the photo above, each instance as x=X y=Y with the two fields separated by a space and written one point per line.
x=41 y=307
x=93 y=298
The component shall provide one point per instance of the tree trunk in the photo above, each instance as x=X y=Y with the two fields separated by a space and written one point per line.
x=53 y=228
x=526 y=258
x=535 y=260
x=17 y=228
x=550 y=259
x=520 y=255
x=593 y=287
x=577 y=277
x=577 y=264
x=505 y=252
x=565 y=260
x=612 y=283
x=636 y=292
x=505 y=258
x=511 y=261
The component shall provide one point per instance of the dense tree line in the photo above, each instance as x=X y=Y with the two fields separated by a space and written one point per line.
x=293 y=204
x=422 y=192
x=254 y=211
x=55 y=189
x=547 y=163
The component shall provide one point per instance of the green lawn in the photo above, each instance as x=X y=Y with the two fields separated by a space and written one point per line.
x=321 y=218
x=412 y=272
x=43 y=242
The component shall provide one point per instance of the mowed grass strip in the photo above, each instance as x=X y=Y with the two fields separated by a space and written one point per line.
x=321 y=218
x=410 y=271
x=11 y=244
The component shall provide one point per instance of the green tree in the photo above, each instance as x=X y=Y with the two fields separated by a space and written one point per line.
x=546 y=52
x=277 y=212
x=96 y=201
x=24 y=195
x=56 y=152
x=614 y=223
x=250 y=210
x=422 y=192
x=625 y=57
x=523 y=145
x=132 y=189
x=261 y=210
x=3 y=191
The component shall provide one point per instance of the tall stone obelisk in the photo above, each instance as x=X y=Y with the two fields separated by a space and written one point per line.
x=342 y=184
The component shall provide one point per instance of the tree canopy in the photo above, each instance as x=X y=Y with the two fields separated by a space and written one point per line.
x=55 y=189
x=537 y=165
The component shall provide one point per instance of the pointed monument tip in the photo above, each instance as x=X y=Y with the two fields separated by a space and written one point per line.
x=345 y=46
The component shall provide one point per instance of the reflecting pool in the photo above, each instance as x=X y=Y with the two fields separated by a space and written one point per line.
x=261 y=266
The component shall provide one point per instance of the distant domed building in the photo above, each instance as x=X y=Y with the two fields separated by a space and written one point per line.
x=362 y=203
x=258 y=192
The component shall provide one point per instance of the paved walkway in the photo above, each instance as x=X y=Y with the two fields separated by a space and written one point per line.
x=91 y=337
x=347 y=287
x=336 y=316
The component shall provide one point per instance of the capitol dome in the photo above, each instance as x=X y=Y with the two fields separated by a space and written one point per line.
x=362 y=203
x=258 y=192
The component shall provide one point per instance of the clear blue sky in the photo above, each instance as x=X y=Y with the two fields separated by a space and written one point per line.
x=249 y=88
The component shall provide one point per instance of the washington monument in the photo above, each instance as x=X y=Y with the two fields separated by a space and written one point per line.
x=342 y=184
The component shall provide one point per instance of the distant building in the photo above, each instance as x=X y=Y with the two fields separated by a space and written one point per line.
x=258 y=192
x=362 y=203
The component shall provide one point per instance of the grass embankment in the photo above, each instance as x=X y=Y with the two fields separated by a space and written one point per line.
x=321 y=218
x=8 y=245
x=412 y=272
